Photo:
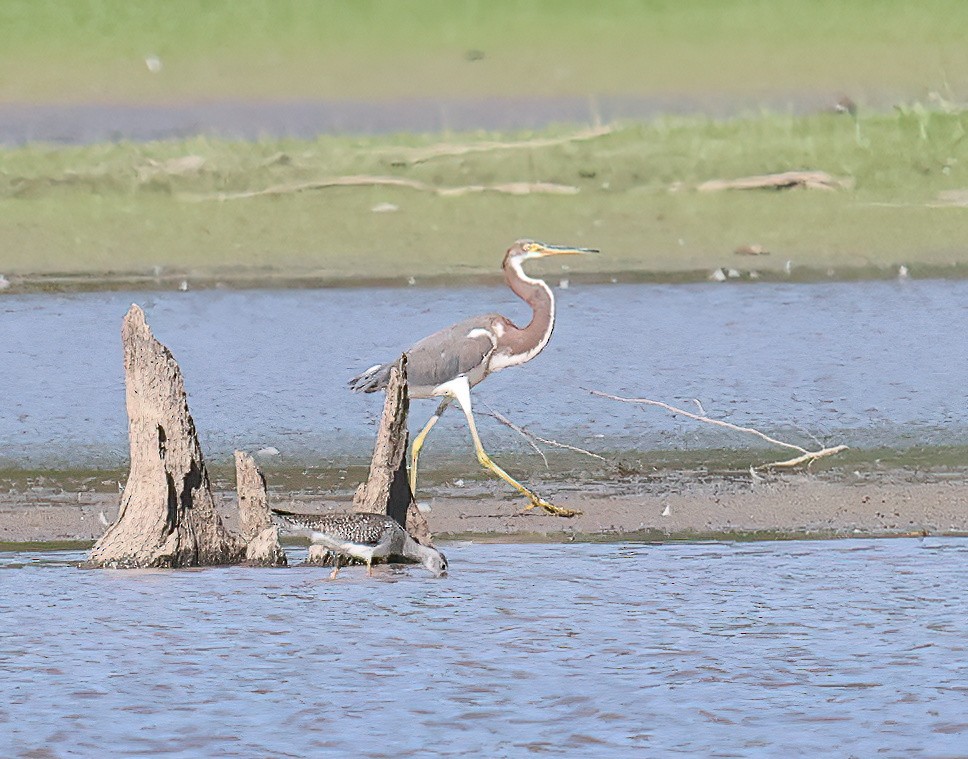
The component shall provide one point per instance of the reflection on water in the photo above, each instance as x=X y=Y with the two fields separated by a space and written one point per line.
x=774 y=649
x=870 y=364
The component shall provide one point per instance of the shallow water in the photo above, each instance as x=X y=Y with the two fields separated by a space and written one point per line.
x=87 y=123
x=868 y=364
x=854 y=647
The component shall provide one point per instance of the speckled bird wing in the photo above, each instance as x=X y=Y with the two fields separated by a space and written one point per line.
x=376 y=539
x=463 y=348
x=352 y=527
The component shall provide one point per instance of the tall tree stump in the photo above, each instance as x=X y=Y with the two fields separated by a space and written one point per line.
x=387 y=488
x=259 y=532
x=167 y=516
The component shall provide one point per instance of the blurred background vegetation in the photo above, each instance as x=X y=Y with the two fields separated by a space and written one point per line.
x=95 y=50
x=758 y=83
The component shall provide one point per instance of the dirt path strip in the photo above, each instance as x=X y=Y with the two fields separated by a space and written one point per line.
x=507 y=188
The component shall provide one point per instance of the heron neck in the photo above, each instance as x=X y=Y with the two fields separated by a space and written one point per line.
x=536 y=294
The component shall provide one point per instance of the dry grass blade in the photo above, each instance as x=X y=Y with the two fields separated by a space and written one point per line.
x=317 y=184
x=958 y=198
x=805 y=457
x=445 y=150
x=173 y=167
x=511 y=188
x=811 y=180
x=363 y=180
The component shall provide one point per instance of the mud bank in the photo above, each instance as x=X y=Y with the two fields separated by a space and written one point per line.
x=802 y=506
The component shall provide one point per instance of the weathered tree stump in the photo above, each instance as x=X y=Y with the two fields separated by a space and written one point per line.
x=259 y=532
x=387 y=488
x=167 y=516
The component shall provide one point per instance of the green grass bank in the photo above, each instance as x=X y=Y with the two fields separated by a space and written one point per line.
x=145 y=215
x=433 y=208
x=96 y=50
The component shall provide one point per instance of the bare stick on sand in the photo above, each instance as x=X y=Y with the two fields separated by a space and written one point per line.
x=534 y=439
x=805 y=457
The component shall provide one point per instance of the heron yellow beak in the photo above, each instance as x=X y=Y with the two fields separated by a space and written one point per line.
x=561 y=250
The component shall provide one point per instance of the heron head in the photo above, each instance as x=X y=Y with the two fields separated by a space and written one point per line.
x=524 y=250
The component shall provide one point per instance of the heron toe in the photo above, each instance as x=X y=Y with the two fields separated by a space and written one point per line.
x=558 y=511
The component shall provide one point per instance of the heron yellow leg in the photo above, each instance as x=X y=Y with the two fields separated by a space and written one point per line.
x=419 y=441
x=461 y=392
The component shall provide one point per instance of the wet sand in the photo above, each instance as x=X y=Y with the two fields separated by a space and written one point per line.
x=797 y=506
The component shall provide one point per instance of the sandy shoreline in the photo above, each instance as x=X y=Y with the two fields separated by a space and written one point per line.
x=798 y=506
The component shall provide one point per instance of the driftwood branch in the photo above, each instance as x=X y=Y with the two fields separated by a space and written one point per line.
x=365 y=180
x=811 y=180
x=447 y=150
x=533 y=439
x=529 y=438
x=805 y=457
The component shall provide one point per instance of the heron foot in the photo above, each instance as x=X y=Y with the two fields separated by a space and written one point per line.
x=558 y=511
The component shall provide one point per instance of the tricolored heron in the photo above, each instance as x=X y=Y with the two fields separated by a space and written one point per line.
x=450 y=362
x=364 y=536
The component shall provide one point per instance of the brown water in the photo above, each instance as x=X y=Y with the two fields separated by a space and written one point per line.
x=840 y=648
x=868 y=364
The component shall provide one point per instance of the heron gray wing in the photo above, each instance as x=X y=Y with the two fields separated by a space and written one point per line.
x=373 y=379
x=461 y=349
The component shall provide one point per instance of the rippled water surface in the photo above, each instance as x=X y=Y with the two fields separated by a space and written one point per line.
x=844 y=648
x=870 y=364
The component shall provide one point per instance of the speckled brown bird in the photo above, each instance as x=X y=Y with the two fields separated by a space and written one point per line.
x=364 y=536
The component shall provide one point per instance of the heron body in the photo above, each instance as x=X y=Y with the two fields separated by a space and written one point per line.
x=363 y=536
x=450 y=362
x=463 y=349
